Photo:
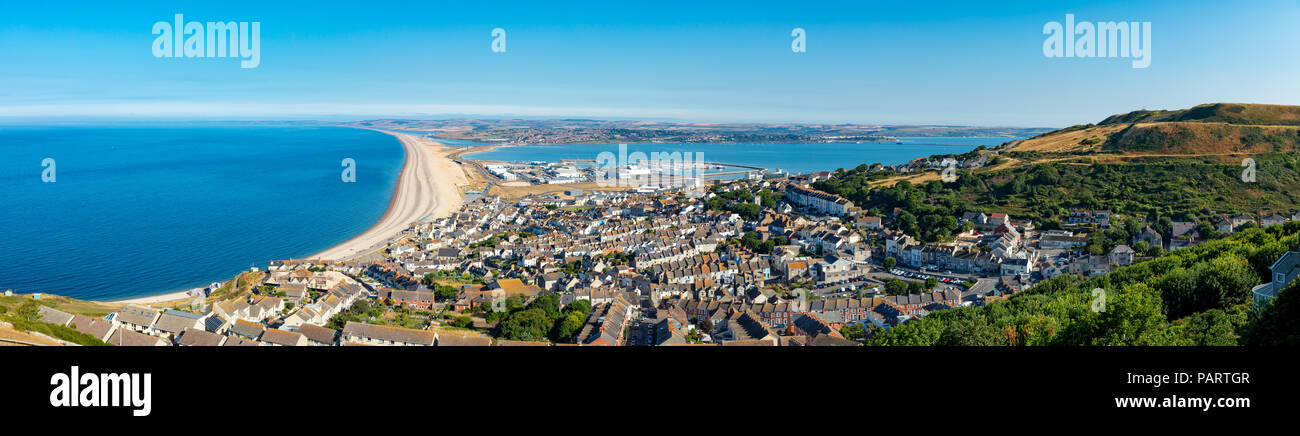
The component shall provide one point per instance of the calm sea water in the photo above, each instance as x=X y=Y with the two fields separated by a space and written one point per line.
x=142 y=210
x=792 y=157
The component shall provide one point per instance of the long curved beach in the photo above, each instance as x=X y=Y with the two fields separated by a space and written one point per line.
x=426 y=188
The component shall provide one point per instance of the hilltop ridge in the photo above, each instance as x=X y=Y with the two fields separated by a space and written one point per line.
x=1230 y=113
x=1203 y=130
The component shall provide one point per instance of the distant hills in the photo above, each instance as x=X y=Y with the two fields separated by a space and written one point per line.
x=580 y=131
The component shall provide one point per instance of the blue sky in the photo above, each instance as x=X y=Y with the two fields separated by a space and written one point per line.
x=961 y=62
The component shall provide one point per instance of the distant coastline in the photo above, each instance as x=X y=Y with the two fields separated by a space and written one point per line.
x=811 y=157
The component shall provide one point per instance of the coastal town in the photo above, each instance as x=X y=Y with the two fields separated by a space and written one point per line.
x=763 y=260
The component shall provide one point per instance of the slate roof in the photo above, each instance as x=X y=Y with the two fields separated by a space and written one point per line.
x=92 y=326
x=247 y=329
x=128 y=338
x=176 y=321
x=319 y=334
x=232 y=341
x=463 y=341
x=1287 y=262
x=54 y=316
x=281 y=337
x=396 y=334
x=199 y=338
x=137 y=315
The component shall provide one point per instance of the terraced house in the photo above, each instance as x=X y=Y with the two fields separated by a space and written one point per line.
x=357 y=333
x=817 y=201
x=608 y=324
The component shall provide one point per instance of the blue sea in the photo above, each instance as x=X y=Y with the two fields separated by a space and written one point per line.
x=137 y=210
x=791 y=157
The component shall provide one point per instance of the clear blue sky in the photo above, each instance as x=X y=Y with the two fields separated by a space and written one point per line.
x=961 y=62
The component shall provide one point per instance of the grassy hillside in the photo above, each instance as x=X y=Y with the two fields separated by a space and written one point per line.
x=25 y=319
x=1212 y=129
x=1184 y=138
x=1230 y=113
x=239 y=287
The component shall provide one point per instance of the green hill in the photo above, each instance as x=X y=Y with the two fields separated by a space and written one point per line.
x=1230 y=113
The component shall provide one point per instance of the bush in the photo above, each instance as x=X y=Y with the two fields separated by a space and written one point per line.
x=53 y=330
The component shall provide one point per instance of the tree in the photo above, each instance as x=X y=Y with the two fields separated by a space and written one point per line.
x=1178 y=290
x=571 y=320
x=444 y=292
x=1214 y=327
x=1278 y=323
x=1224 y=281
x=526 y=325
x=854 y=331
x=549 y=304
x=907 y=223
x=1132 y=317
x=895 y=287
x=889 y=262
x=568 y=326
x=706 y=326
x=1141 y=247
x=931 y=282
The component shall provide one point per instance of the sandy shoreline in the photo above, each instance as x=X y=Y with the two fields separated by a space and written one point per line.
x=426 y=188
x=174 y=296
